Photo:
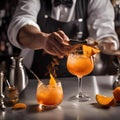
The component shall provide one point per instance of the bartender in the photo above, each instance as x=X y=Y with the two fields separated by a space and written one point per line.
x=42 y=30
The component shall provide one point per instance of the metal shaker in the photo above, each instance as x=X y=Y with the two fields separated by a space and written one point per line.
x=18 y=75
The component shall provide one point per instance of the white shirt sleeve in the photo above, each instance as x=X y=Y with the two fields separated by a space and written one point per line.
x=26 y=13
x=101 y=19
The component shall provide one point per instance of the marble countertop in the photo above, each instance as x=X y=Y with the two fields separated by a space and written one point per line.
x=68 y=110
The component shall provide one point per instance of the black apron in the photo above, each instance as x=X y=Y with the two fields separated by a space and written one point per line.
x=43 y=60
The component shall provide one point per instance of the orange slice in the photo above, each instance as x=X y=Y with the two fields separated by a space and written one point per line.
x=19 y=106
x=89 y=51
x=52 y=81
x=105 y=100
x=116 y=94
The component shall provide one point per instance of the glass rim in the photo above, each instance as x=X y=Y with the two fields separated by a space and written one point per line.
x=46 y=84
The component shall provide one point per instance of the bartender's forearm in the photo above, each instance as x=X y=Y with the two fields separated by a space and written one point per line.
x=30 y=37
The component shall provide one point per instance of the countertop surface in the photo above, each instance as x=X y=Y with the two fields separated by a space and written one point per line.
x=67 y=110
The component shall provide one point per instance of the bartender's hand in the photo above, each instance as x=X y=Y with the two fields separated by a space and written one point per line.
x=108 y=45
x=56 y=43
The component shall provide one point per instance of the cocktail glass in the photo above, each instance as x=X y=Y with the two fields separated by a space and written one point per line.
x=49 y=96
x=79 y=65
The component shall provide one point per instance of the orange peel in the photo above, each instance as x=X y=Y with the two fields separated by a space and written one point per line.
x=105 y=101
x=19 y=106
x=89 y=51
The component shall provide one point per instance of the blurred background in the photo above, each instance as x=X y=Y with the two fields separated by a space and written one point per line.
x=7 y=8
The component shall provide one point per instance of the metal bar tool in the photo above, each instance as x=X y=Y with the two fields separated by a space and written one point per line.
x=2 y=104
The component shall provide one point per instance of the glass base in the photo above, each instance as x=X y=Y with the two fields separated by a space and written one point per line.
x=47 y=107
x=80 y=98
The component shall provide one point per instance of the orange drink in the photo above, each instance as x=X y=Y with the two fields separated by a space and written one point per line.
x=79 y=65
x=50 y=95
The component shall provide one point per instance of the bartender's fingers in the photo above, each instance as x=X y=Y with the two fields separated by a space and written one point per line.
x=54 y=40
x=62 y=47
x=58 y=51
x=57 y=41
x=54 y=52
x=65 y=38
x=55 y=45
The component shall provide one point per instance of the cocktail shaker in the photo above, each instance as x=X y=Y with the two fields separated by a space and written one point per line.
x=18 y=75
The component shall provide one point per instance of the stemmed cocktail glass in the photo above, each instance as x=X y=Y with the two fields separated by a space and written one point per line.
x=79 y=65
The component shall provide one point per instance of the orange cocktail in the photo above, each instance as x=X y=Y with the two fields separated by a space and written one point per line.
x=50 y=95
x=79 y=65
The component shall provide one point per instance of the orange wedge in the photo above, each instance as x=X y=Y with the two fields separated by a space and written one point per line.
x=89 y=51
x=52 y=81
x=116 y=94
x=105 y=100
x=19 y=106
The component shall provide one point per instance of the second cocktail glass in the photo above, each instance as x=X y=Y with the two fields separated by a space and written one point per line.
x=79 y=65
x=49 y=95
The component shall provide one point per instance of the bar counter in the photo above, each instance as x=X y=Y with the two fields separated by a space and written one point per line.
x=68 y=110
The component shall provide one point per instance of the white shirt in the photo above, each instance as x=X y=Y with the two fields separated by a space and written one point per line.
x=100 y=21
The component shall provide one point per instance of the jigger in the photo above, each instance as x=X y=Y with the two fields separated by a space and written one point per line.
x=2 y=104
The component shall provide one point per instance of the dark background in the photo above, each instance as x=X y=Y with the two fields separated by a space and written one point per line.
x=7 y=8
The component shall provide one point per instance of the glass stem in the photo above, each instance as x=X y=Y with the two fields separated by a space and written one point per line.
x=79 y=94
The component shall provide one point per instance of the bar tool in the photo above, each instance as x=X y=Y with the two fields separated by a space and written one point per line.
x=11 y=94
x=76 y=41
x=92 y=42
x=18 y=75
x=2 y=96
x=116 y=82
x=37 y=78
x=89 y=41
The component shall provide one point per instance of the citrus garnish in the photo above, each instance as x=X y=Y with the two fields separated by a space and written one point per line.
x=52 y=81
x=19 y=106
x=105 y=100
x=116 y=94
x=89 y=51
